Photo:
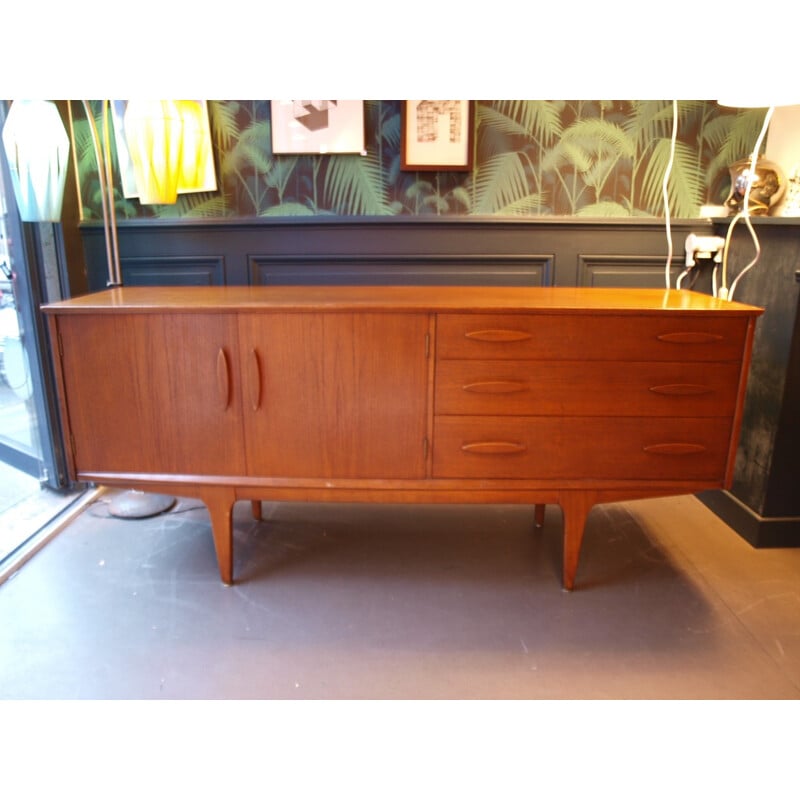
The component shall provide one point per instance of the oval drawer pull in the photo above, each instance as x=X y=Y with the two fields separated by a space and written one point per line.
x=681 y=389
x=498 y=335
x=494 y=448
x=674 y=448
x=690 y=337
x=495 y=387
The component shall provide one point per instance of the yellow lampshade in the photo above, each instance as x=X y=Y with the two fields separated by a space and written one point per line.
x=154 y=133
x=37 y=149
x=196 y=156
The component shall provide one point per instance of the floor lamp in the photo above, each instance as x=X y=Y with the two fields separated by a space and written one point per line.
x=131 y=504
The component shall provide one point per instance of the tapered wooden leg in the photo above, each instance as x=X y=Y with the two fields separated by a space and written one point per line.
x=538 y=515
x=220 y=508
x=256 y=506
x=576 y=507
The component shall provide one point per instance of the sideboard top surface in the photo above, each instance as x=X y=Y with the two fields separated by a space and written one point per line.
x=398 y=298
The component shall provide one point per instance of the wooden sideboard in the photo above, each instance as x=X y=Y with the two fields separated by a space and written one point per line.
x=402 y=394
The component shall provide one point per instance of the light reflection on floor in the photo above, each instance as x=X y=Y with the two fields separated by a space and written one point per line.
x=26 y=507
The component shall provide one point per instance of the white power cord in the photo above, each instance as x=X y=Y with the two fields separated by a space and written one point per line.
x=724 y=292
x=666 y=193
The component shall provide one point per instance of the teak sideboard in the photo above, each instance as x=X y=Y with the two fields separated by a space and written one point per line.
x=404 y=394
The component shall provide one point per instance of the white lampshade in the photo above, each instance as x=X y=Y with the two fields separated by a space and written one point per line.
x=759 y=99
x=37 y=149
x=154 y=133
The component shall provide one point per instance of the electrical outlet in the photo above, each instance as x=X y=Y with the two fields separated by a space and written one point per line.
x=703 y=248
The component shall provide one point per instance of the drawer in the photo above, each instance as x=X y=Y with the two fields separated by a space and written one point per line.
x=581 y=448
x=663 y=337
x=605 y=388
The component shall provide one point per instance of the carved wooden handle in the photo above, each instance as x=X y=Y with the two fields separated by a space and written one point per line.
x=681 y=389
x=255 y=380
x=494 y=448
x=674 y=448
x=494 y=387
x=223 y=380
x=690 y=337
x=498 y=335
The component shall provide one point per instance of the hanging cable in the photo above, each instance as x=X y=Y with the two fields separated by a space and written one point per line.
x=666 y=193
x=724 y=292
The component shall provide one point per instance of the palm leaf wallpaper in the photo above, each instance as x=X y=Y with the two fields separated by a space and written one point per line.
x=569 y=158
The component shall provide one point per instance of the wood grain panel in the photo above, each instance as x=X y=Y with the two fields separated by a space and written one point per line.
x=342 y=394
x=606 y=388
x=606 y=338
x=572 y=447
x=144 y=393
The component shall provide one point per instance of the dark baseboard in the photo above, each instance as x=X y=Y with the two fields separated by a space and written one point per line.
x=760 y=532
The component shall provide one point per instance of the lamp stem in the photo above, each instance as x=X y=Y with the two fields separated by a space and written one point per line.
x=106 y=197
x=112 y=211
x=75 y=159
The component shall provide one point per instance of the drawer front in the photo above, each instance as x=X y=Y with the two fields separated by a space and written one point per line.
x=605 y=388
x=664 y=337
x=581 y=448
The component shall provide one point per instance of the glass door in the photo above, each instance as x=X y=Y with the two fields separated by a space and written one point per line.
x=26 y=414
x=20 y=442
x=33 y=477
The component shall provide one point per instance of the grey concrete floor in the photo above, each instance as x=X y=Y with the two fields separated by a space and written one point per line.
x=403 y=602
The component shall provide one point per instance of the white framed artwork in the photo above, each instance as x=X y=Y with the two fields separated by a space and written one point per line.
x=306 y=127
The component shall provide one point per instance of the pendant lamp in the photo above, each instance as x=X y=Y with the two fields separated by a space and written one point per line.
x=37 y=149
x=154 y=133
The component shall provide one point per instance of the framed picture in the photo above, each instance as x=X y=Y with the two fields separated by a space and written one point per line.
x=305 y=127
x=437 y=134
x=198 y=173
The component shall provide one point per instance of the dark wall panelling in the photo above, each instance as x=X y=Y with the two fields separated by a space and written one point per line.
x=539 y=251
x=173 y=271
x=465 y=270
x=616 y=271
